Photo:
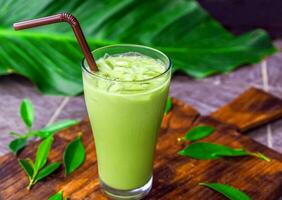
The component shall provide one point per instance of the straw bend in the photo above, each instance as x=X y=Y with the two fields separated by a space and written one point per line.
x=62 y=17
x=67 y=17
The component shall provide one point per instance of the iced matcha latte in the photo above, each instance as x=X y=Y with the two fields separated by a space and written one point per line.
x=125 y=100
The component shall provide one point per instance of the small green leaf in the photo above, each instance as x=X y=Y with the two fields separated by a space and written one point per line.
x=228 y=191
x=27 y=112
x=17 y=144
x=205 y=151
x=59 y=125
x=42 y=153
x=27 y=166
x=168 y=105
x=49 y=169
x=57 y=196
x=199 y=132
x=74 y=155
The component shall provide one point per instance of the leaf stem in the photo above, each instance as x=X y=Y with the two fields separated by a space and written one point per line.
x=29 y=129
x=28 y=134
x=259 y=155
x=30 y=184
x=15 y=134
x=32 y=180
x=180 y=140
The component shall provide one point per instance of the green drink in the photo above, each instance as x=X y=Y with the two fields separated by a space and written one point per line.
x=125 y=100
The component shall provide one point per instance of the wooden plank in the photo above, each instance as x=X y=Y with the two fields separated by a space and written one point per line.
x=175 y=177
x=251 y=109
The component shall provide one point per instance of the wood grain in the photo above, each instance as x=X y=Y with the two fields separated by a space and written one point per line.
x=175 y=177
x=251 y=109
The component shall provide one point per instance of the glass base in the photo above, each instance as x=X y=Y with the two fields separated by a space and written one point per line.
x=137 y=193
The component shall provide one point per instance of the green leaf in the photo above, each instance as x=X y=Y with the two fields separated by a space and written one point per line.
x=199 y=132
x=198 y=47
x=42 y=153
x=17 y=144
x=205 y=151
x=27 y=166
x=27 y=113
x=49 y=169
x=228 y=191
x=60 y=125
x=74 y=155
x=57 y=196
x=168 y=105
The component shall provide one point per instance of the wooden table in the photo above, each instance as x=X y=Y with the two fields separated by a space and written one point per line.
x=175 y=177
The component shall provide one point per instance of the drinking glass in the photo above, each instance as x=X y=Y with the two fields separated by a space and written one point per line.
x=125 y=117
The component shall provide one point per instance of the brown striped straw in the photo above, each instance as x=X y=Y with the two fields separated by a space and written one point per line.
x=63 y=17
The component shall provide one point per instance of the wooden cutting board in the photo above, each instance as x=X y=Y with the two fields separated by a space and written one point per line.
x=175 y=177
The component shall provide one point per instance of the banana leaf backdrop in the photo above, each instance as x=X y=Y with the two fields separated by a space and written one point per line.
x=50 y=57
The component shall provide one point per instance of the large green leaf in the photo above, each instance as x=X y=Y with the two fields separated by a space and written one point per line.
x=49 y=56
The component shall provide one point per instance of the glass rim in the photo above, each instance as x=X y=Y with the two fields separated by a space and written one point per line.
x=87 y=70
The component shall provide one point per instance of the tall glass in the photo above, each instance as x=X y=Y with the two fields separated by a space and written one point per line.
x=125 y=123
